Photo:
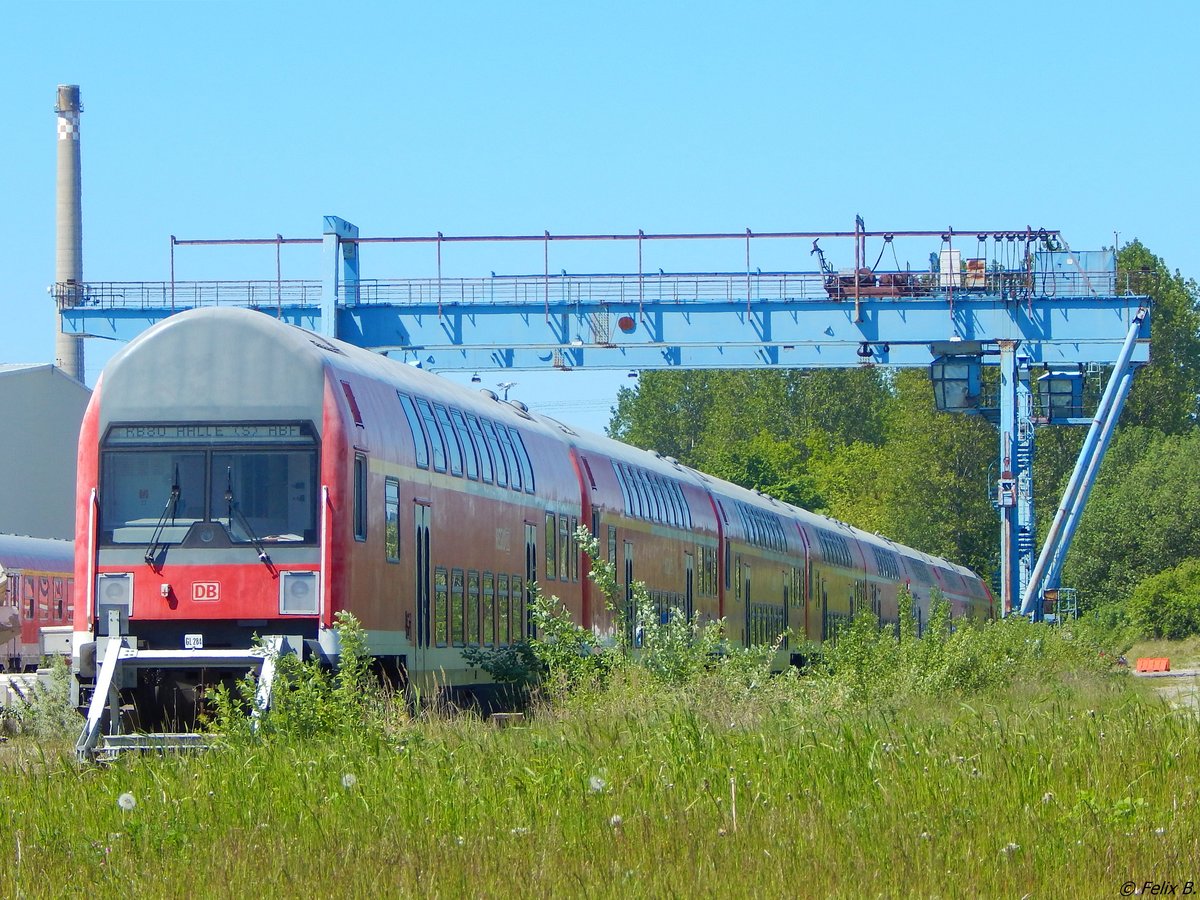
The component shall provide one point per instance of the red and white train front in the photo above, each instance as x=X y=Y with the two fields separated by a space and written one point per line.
x=199 y=522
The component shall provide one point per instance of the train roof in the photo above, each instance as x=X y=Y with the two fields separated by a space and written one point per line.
x=265 y=368
x=274 y=370
x=21 y=552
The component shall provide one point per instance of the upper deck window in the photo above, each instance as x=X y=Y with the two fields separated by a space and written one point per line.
x=485 y=453
x=437 y=440
x=417 y=427
x=452 y=441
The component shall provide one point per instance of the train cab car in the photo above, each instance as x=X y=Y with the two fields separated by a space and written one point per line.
x=241 y=477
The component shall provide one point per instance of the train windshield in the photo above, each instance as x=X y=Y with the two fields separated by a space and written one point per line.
x=156 y=494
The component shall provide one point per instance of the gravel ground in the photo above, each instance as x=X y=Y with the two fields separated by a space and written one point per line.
x=1180 y=687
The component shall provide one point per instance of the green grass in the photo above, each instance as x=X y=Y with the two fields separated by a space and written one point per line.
x=788 y=789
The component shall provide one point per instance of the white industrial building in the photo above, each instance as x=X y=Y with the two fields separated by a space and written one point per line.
x=41 y=409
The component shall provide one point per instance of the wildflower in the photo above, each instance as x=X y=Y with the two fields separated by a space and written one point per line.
x=126 y=801
x=349 y=780
x=1048 y=796
x=924 y=835
x=887 y=748
x=616 y=820
x=1010 y=848
x=596 y=784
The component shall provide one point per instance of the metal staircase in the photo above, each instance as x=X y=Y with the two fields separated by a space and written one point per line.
x=102 y=737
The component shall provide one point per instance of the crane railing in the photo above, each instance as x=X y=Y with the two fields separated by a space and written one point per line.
x=602 y=288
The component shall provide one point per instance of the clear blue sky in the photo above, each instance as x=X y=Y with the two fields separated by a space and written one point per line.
x=247 y=120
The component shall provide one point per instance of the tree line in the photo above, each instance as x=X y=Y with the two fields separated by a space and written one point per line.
x=868 y=446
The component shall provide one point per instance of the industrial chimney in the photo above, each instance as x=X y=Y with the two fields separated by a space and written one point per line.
x=68 y=251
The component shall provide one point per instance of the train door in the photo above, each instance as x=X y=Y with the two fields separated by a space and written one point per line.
x=745 y=569
x=530 y=574
x=422 y=570
x=689 y=565
x=630 y=612
x=810 y=605
x=782 y=625
x=818 y=598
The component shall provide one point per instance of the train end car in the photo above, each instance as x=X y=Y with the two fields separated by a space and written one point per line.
x=240 y=477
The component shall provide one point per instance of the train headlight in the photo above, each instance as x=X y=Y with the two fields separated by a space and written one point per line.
x=115 y=589
x=299 y=593
x=114 y=602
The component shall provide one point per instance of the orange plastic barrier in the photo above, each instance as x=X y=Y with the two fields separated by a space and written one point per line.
x=1153 y=664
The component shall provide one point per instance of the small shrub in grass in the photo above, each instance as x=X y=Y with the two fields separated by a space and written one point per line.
x=673 y=648
x=47 y=713
x=308 y=699
x=1106 y=629
x=966 y=657
x=567 y=659
x=511 y=664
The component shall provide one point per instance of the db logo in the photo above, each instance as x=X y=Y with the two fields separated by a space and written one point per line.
x=206 y=590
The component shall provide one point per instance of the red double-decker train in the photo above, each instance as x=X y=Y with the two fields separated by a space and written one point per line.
x=241 y=476
x=37 y=599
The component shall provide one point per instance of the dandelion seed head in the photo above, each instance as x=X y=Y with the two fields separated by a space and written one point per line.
x=616 y=820
x=460 y=840
x=349 y=780
x=1048 y=796
x=519 y=830
x=596 y=784
x=126 y=801
x=1010 y=848
x=924 y=835
x=1160 y=831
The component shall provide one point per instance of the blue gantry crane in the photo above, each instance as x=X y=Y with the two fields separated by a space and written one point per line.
x=1021 y=303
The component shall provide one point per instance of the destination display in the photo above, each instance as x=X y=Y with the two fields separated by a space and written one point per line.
x=209 y=433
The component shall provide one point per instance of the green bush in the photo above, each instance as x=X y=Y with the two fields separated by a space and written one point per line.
x=307 y=698
x=565 y=659
x=1167 y=605
x=47 y=713
x=960 y=657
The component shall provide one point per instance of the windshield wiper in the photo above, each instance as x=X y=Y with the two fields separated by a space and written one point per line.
x=168 y=512
x=234 y=508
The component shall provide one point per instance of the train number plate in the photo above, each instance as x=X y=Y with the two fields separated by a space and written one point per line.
x=193 y=642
